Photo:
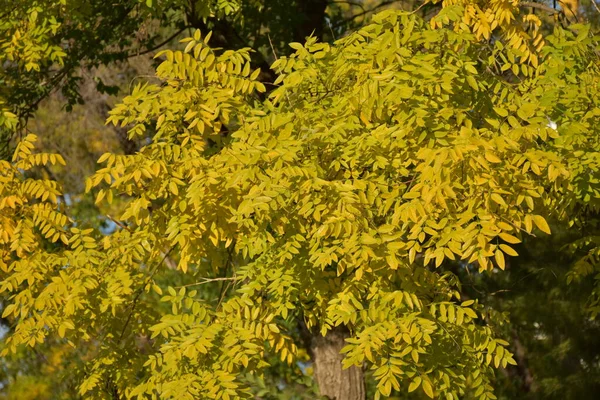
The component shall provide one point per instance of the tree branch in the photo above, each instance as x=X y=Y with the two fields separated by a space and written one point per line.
x=139 y=292
x=158 y=46
x=371 y=10
x=209 y=280
x=540 y=7
x=595 y=5
x=352 y=3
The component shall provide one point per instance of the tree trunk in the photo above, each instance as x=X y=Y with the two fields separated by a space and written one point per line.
x=529 y=384
x=312 y=19
x=334 y=382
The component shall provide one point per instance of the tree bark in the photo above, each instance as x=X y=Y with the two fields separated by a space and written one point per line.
x=334 y=382
x=312 y=19
x=529 y=384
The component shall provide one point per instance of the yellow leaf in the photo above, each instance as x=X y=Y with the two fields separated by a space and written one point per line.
x=509 y=238
x=414 y=384
x=415 y=356
x=504 y=226
x=541 y=223
x=428 y=389
x=508 y=250
x=501 y=111
x=498 y=199
x=173 y=188
x=472 y=82
x=492 y=157
x=8 y=310
x=499 y=256
x=528 y=223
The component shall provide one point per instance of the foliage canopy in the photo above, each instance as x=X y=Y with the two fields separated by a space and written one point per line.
x=343 y=197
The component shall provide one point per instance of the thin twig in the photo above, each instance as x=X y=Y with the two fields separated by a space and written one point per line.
x=118 y=223
x=515 y=226
x=351 y=3
x=139 y=292
x=272 y=48
x=223 y=293
x=360 y=14
x=158 y=46
x=228 y=265
x=331 y=29
x=167 y=260
x=275 y=55
x=421 y=6
x=208 y=280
